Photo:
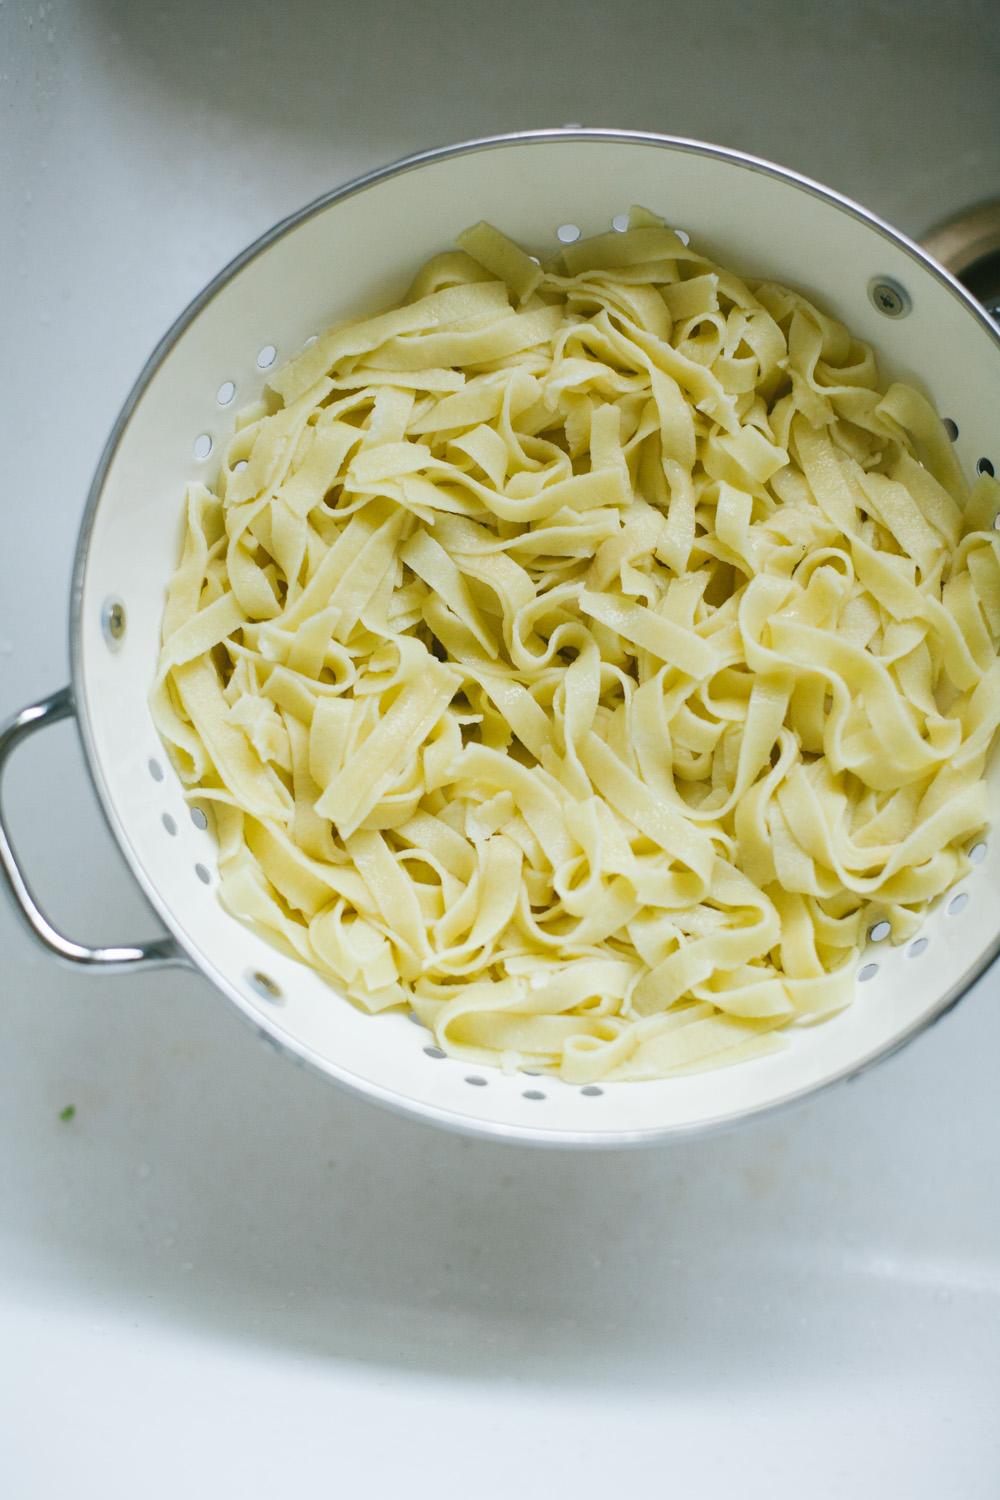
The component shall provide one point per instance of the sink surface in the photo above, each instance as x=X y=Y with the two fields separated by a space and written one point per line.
x=218 y=1274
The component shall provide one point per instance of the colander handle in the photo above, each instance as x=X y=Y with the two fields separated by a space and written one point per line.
x=155 y=955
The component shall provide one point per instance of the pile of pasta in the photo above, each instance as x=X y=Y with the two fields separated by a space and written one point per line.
x=586 y=655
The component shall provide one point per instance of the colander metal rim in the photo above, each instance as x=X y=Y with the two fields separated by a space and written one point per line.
x=188 y=954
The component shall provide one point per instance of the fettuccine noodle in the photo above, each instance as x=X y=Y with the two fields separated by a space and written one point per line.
x=586 y=656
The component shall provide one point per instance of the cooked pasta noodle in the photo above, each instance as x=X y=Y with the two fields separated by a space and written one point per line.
x=586 y=656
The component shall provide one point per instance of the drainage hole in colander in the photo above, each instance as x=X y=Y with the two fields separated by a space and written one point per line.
x=977 y=853
x=238 y=468
x=203 y=874
x=591 y=1091
x=156 y=770
x=568 y=233
x=225 y=393
x=476 y=1081
x=412 y=1016
x=985 y=467
x=169 y=824
x=267 y=356
x=950 y=427
x=879 y=932
x=265 y=985
x=434 y=1052
x=868 y=971
x=199 y=818
x=532 y=1094
x=915 y=949
x=202 y=446
x=958 y=903
x=683 y=236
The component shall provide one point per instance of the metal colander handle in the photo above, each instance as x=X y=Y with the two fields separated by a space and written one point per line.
x=155 y=955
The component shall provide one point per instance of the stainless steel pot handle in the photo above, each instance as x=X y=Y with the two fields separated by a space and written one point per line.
x=155 y=955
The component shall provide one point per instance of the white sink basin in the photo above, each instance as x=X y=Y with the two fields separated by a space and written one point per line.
x=223 y=1277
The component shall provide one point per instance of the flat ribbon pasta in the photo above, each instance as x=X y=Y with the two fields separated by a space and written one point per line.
x=584 y=655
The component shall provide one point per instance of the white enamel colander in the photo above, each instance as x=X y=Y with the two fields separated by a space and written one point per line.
x=348 y=253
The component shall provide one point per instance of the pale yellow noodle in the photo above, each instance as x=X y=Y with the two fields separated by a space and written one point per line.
x=586 y=655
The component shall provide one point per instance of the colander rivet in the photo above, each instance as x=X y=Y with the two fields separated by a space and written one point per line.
x=889 y=298
x=265 y=985
x=113 y=622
